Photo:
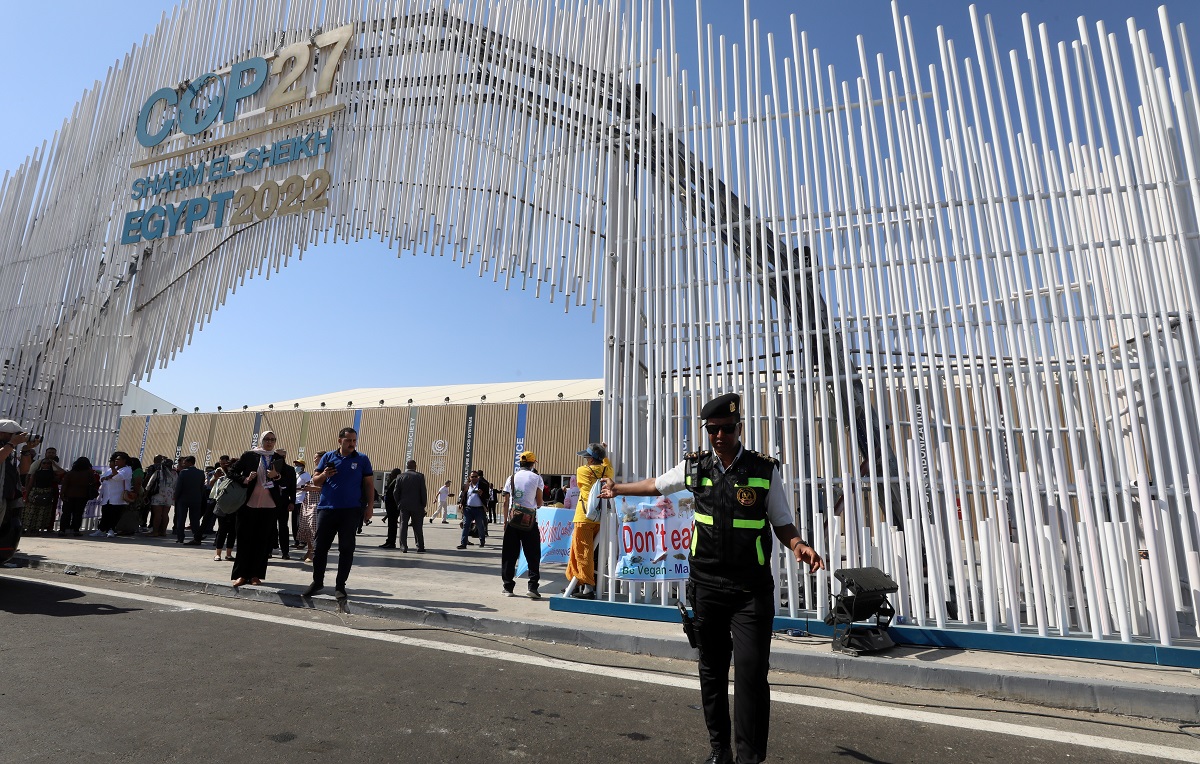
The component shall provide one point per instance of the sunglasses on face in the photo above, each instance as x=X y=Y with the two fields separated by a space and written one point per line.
x=728 y=429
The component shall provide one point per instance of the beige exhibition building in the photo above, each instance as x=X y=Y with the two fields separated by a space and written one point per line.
x=449 y=430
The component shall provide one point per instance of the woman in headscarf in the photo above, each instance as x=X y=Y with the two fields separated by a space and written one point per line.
x=256 y=518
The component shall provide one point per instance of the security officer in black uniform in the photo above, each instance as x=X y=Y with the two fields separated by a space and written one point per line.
x=738 y=493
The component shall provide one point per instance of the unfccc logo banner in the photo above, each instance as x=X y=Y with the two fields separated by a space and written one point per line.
x=232 y=94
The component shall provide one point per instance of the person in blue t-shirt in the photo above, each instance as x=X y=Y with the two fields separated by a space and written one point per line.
x=347 y=498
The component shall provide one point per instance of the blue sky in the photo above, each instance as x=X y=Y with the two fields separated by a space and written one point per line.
x=433 y=323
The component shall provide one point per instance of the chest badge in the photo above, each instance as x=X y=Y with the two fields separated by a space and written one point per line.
x=746 y=497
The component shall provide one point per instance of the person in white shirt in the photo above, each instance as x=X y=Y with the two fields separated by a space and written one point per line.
x=114 y=486
x=521 y=533
x=443 y=501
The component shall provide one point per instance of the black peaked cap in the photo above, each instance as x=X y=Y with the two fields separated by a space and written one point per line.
x=729 y=404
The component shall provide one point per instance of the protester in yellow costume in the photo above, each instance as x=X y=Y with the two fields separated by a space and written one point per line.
x=581 y=565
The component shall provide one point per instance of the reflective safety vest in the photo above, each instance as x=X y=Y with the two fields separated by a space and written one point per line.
x=731 y=536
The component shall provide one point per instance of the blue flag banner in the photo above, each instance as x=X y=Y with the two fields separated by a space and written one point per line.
x=519 y=446
x=554 y=526
x=655 y=537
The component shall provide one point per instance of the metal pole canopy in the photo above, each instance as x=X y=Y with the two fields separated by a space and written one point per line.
x=958 y=296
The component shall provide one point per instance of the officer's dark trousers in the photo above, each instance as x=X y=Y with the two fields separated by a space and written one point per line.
x=737 y=622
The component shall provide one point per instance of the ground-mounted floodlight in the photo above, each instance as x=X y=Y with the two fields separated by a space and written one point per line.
x=864 y=595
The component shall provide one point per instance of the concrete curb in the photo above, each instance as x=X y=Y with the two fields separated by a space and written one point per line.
x=1140 y=700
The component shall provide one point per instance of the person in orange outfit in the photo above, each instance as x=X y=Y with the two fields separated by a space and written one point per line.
x=581 y=564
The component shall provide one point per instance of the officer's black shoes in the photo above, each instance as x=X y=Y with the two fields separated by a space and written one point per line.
x=534 y=594
x=313 y=589
x=339 y=592
x=720 y=755
x=387 y=546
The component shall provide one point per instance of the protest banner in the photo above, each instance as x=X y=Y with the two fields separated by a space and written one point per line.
x=554 y=526
x=655 y=537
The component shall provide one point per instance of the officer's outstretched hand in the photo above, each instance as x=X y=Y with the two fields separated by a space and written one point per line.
x=606 y=488
x=807 y=555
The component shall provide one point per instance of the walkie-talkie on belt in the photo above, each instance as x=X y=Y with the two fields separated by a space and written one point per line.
x=689 y=624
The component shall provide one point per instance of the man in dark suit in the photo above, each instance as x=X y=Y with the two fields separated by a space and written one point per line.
x=190 y=495
x=411 y=496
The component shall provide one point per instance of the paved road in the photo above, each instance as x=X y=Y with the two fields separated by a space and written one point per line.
x=92 y=671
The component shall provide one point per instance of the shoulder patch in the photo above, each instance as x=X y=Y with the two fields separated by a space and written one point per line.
x=769 y=459
x=693 y=455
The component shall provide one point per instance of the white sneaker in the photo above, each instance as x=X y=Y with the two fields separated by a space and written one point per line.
x=96 y=534
x=112 y=535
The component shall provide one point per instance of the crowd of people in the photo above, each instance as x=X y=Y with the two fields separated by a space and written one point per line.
x=278 y=505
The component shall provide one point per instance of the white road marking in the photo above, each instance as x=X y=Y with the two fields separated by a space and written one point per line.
x=906 y=714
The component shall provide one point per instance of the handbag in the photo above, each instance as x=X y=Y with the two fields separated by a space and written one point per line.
x=521 y=518
x=230 y=495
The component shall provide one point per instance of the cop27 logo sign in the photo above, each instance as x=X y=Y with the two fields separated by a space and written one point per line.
x=195 y=106
x=288 y=66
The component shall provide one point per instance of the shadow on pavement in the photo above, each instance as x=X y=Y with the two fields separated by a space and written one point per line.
x=432 y=605
x=429 y=563
x=850 y=753
x=37 y=598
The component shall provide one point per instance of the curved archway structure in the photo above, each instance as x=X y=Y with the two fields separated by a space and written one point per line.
x=958 y=299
